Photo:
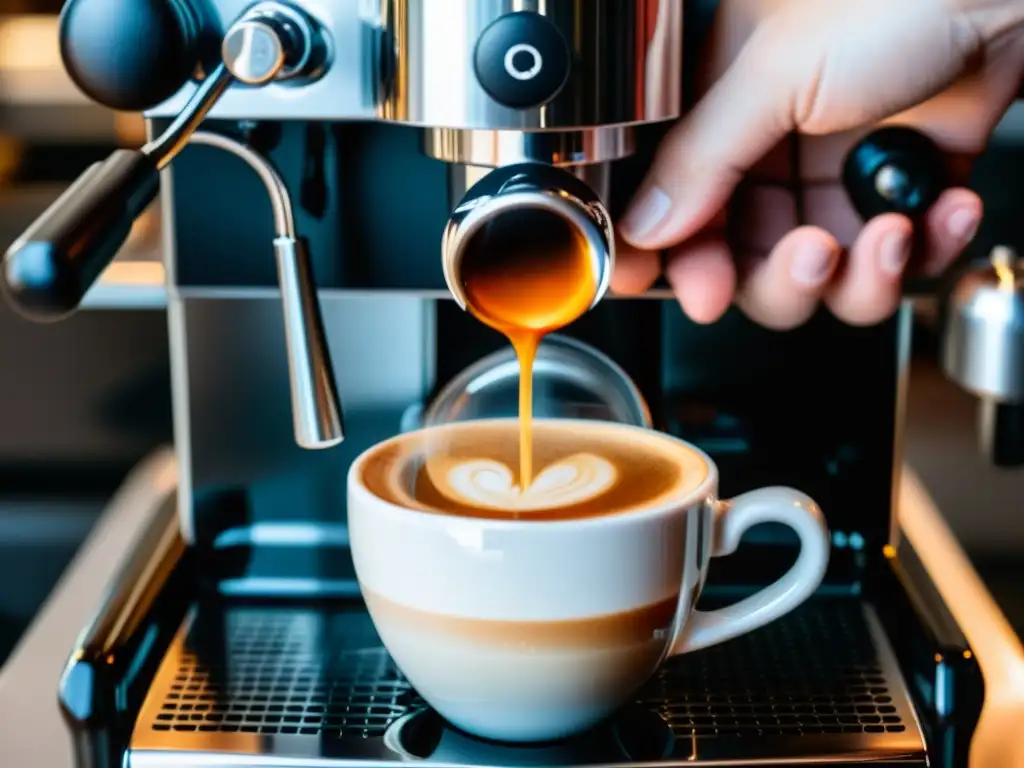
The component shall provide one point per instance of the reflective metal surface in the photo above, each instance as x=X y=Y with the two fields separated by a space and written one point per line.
x=316 y=410
x=234 y=428
x=269 y=42
x=253 y=52
x=171 y=141
x=299 y=685
x=984 y=343
x=295 y=684
x=514 y=192
x=411 y=61
x=274 y=41
x=561 y=148
x=983 y=352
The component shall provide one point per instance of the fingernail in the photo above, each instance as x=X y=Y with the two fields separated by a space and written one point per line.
x=895 y=252
x=963 y=224
x=645 y=214
x=812 y=264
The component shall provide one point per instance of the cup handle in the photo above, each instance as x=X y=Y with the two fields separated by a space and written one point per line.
x=733 y=519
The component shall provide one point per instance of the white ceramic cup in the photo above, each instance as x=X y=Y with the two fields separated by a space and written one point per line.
x=520 y=630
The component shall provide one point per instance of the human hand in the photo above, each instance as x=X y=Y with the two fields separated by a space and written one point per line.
x=722 y=184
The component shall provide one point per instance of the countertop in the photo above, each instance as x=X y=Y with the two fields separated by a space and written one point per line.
x=32 y=732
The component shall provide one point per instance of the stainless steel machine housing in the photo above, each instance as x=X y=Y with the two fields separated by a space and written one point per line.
x=249 y=643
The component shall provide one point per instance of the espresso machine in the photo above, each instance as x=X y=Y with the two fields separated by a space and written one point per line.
x=308 y=157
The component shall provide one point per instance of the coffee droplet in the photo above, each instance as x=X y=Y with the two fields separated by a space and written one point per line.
x=491 y=484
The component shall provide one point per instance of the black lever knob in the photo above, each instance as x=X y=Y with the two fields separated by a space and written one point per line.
x=130 y=55
x=48 y=270
x=894 y=170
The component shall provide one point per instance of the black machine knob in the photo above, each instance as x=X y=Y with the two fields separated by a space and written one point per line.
x=130 y=54
x=522 y=60
x=894 y=170
x=50 y=267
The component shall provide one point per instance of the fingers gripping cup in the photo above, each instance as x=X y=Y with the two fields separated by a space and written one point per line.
x=528 y=616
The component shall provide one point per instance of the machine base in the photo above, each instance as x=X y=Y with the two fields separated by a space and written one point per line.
x=279 y=684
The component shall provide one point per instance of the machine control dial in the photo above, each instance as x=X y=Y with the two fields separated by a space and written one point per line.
x=129 y=54
x=894 y=170
x=273 y=41
x=254 y=51
x=522 y=60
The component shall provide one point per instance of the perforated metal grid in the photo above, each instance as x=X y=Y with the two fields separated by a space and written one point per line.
x=276 y=678
x=285 y=672
x=814 y=671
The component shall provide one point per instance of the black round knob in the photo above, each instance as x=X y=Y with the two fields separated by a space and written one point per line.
x=894 y=170
x=522 y=60
x=129 y=55
x=48 y=270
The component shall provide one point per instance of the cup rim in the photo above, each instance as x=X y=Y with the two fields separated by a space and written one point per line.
x=673 y=504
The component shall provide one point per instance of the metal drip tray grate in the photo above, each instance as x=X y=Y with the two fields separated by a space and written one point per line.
x=363 y=700
x=815 y=671
x=292 y=683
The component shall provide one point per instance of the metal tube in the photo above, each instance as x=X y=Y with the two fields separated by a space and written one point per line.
x=316 y=408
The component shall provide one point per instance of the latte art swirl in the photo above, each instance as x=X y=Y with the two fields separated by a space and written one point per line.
x=587 y=469
x=490 y=484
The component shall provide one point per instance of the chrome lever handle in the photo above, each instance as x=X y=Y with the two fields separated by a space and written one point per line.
x=48 y=270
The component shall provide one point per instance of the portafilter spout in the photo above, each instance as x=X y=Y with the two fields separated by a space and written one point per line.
x=527 y=195
x=316 y=409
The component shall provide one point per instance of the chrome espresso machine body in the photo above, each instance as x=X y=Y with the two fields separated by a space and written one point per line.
x=335 y=138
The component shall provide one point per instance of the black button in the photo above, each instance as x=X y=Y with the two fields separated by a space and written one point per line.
x=522 y=60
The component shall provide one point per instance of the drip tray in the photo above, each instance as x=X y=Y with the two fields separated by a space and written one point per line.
x=277 y=686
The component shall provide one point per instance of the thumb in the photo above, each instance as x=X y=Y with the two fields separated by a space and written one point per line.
x=702 y=159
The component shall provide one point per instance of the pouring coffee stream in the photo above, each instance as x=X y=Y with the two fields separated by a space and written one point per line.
x=525 y=293
x=528 y=251
x=530 y=248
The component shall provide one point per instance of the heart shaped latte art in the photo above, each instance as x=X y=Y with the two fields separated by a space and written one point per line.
x=490 y=484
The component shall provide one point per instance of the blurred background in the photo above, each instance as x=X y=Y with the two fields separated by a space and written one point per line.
x=80 y=401
x=83 y=400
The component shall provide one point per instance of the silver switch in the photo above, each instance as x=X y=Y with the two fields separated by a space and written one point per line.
x=273 y=41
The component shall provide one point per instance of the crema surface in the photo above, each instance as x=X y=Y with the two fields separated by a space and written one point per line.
x=582 y=469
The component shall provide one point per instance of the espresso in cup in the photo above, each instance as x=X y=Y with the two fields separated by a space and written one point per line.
x=528 y=614
x=470 y=470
